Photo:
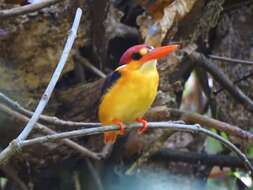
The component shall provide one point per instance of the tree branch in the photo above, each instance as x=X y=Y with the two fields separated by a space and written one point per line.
x=56 y=75
x=207 y=122
x=229 y=59
x=89 y=66
x=12 y=148
x=78 y=148
x=16 y=146
x=52 y=120
x=237 y=81
x=188 y=117
x=152 y=125
x=27 y=8
x=220 y=77
x=198 y=158
x=94 y=174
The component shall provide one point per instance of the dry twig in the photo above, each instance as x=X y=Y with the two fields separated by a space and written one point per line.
x=94 y=175
x=243 y=78
x=52 y=120
x=10 y=150
x=188 y=117
x=56 y=75
x=27 y=8
x=229 y=59
x=198 y=158
x=220 y=77
x=15 y=146
x=89 y=66
x=78 y=148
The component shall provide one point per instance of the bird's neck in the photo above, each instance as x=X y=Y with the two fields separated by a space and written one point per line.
x=149 y=66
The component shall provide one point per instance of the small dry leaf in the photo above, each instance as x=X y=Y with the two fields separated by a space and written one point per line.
x=154 y=30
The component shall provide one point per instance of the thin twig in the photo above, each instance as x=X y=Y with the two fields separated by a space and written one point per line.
x=52 y=120
x=244 y=77
x=199 y=129
x=78 y=148
x=220 y=77
x=188 y=117
x=229 y=59
x=56 y=75
x=27 y=8
x=152 y=125
x=207 y=122
x=11 y=149
x=149 y=150
x=89 y=66
x=94 y=174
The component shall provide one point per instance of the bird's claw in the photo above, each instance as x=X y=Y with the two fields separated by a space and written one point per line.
x=145 y=125
x=121 y=126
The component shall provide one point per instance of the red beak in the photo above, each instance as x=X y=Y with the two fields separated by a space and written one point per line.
x=159 y=52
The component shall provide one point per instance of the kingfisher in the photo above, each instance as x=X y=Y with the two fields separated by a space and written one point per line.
x=130 y=90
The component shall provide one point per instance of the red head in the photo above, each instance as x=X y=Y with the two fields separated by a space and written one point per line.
x=144 y=53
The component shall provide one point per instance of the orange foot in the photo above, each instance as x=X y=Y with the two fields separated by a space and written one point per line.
x=121 y=126
x=145 y=125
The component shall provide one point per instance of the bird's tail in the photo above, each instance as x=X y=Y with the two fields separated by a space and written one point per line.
x=110 y=137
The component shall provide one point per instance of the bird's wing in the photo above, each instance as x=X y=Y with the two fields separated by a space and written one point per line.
x=109 y=81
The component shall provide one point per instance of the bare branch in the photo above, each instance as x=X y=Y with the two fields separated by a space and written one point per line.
x=45 y=97
x=12 y=148
x=243 y=78
x=207 y=122
x=197 y=128
x=188 y=117
x=94 y=174
x=153 y=125
x=78 y=148
x=229 y=59
x=166 y=155
x=220 y=77
x=89 y=66
x=16 y=146
x=27 y=8
x=47 y=119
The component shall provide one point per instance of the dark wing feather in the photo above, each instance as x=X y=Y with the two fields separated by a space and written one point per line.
x=109 y=81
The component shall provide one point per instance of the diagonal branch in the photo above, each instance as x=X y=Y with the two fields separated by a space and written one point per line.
x=56 y=75
x=6 y=154
x=220 y=77
x=52 y=120
x=27 y=8
x=78 y=148
x=207 y=122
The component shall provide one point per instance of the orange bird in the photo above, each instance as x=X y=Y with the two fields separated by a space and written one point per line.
x=130 y=90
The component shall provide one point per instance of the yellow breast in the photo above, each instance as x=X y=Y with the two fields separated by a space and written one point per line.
x=131 y=96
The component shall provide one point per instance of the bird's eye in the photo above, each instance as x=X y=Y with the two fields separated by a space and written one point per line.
x=143 y=51
x=136 y=56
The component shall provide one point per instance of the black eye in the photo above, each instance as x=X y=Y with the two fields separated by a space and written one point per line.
x=136 y=56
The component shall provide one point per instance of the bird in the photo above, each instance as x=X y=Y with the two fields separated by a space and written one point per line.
x=129 y=91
